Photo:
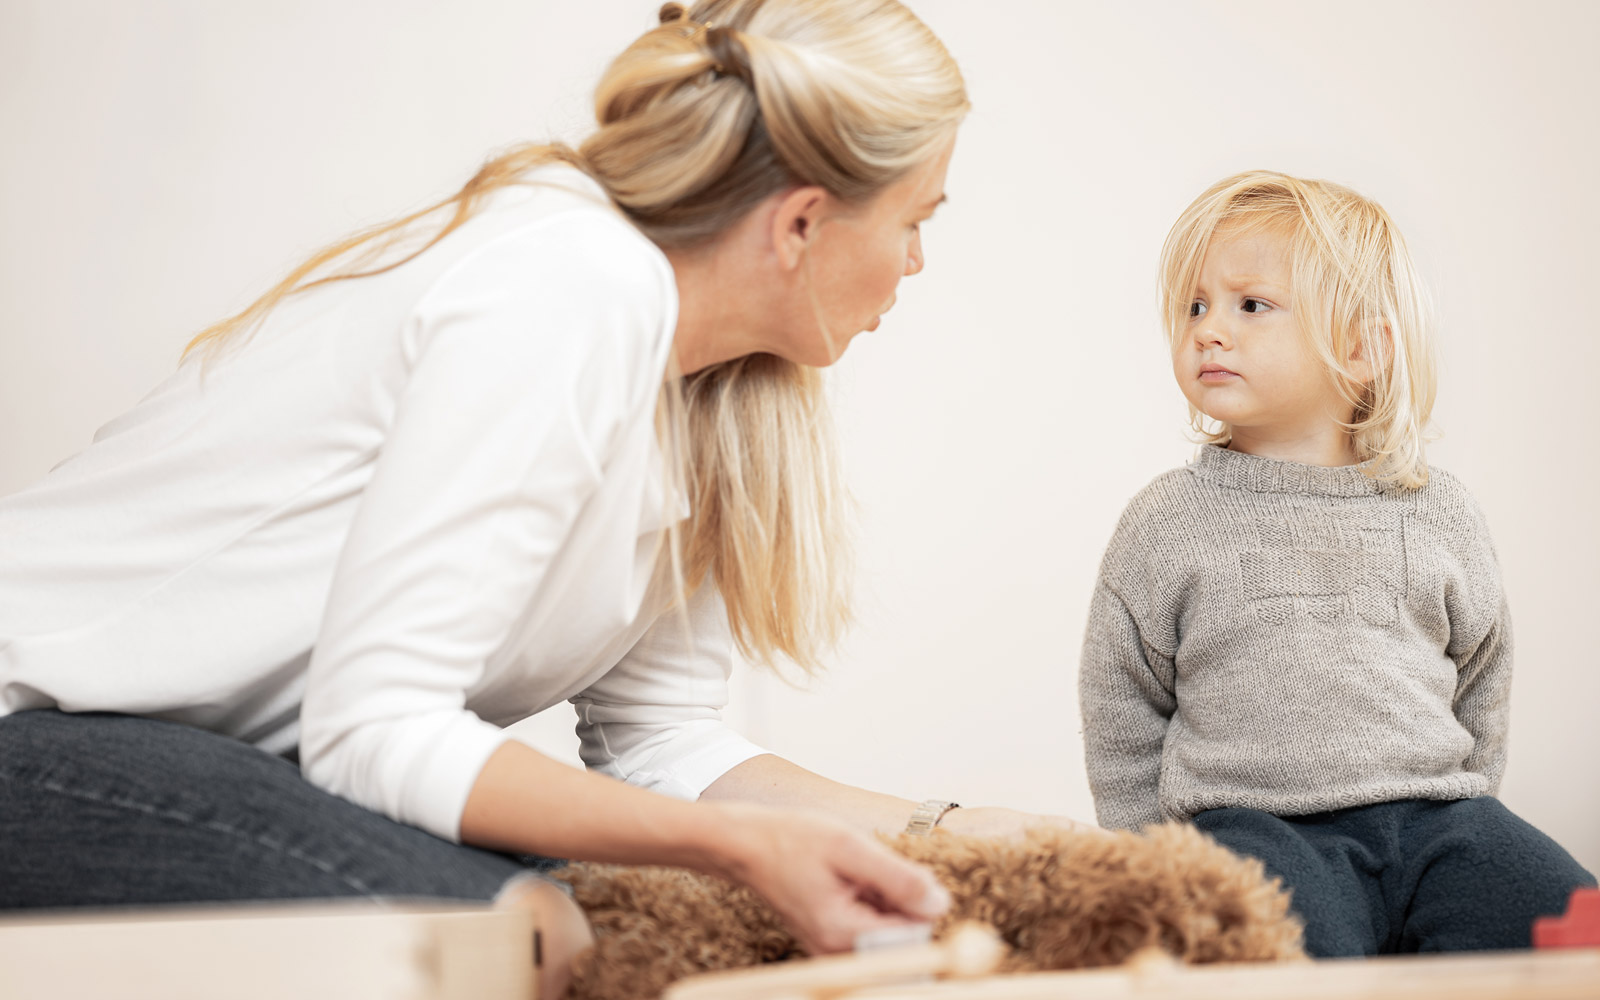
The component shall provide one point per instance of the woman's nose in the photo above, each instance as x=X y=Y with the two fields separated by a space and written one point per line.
x=914 y=255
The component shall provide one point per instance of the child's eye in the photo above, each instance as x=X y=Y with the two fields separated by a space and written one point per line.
x=1254 y=306
x=1196 y=309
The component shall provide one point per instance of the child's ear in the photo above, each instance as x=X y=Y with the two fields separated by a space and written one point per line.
x=1361 y=364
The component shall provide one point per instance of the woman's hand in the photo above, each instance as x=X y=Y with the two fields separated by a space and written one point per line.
x=827 y=881
x=992 y=821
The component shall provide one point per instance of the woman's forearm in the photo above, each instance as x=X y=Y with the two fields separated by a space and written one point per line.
x=827 y=881
x=525 y=802
x=771 y=780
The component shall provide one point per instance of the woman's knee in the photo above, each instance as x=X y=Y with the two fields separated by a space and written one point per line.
x=115 y=809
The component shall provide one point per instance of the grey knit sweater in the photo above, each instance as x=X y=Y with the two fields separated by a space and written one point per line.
x=1294 y=639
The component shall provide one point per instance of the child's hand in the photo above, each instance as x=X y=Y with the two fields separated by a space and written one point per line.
x=1011 y=824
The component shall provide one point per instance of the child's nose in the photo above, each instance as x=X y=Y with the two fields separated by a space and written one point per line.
x=1213 y=333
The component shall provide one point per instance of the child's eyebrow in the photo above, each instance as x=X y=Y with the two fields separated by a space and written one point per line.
x=1247 y=280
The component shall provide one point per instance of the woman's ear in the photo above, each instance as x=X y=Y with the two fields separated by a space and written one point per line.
x=794 y=223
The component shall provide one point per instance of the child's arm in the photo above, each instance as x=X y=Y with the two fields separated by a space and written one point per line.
x=1483 y=695
x=1125 y=689
x=1480 y=634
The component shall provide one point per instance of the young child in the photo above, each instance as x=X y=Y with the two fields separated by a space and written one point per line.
x=1299 y=641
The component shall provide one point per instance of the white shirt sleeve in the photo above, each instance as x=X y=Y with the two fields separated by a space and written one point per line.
x=655 y=719
x=527 y=355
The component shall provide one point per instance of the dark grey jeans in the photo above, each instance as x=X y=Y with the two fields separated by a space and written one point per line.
x=1407 y=876
x=99 y=810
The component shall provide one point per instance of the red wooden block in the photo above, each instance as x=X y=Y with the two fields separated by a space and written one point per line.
x=1580 y=928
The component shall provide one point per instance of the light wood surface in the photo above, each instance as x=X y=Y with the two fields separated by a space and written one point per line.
x=969 y=950
x=1572 y=974
x=339 y=951
x=1553 y=975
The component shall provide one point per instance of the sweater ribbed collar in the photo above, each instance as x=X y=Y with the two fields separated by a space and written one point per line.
x=1236 y=470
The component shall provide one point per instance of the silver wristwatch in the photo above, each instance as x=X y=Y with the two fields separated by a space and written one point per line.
x=927 y=816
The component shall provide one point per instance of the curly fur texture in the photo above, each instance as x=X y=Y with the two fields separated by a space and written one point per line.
x=1060 y=899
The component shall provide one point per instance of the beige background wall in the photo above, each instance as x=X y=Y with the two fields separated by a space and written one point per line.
x=160 y=163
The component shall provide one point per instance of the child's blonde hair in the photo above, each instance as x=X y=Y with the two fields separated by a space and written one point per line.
x=1355 y=293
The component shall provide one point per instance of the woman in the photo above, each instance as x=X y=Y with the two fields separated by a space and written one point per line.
x=560 y=437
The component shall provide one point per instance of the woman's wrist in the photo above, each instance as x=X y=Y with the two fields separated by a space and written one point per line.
x=724 y=839
x=773 y=781
x=995 y=821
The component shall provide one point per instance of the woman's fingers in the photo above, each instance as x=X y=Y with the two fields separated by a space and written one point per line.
x=830 y=883
x=872 y=888
x=855 y=899
x=890 y=883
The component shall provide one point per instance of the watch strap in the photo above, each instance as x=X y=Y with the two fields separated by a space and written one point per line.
x=927 y=816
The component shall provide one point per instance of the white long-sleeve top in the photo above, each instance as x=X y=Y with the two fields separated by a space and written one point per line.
x=410 y=510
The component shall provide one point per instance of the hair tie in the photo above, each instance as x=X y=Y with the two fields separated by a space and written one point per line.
x=729 y=57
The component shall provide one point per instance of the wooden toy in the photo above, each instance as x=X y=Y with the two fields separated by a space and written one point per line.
x=1579 y=928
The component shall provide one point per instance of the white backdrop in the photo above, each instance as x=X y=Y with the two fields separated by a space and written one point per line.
x=161 y=163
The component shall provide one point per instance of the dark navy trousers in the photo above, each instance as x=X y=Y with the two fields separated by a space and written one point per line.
x=1408 y=876
x=104 y=810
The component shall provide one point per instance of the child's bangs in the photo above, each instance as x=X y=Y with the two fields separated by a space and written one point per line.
x=1242 y=206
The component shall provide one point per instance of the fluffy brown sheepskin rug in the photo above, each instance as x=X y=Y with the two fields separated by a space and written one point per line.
x=1060 y=899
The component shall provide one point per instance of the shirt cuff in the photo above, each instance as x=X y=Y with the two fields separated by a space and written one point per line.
x=685 y=767
x=449 y=768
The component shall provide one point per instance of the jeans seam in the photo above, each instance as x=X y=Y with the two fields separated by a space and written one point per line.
x=173 y=815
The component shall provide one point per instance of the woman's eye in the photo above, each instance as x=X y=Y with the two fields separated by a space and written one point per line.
x=1197 y=309
x=1254 y=306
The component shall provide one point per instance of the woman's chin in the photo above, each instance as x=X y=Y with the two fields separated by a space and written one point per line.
x=824 y=355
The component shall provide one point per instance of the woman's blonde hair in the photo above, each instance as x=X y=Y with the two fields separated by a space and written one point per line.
x=702 y=118
x=1355 y=294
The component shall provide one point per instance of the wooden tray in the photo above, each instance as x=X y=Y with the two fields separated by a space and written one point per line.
x=345 y=951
